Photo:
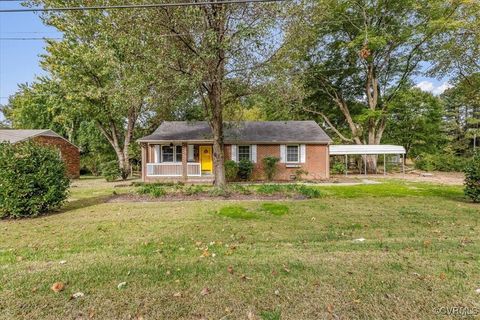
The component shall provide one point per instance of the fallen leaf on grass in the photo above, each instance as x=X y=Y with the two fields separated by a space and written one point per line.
x=77 y=295
x=205 y=291
x=121 y=285
x=230 y=269
x=62 y=262
x=286 y=269
x=58 y=286
x=442 y=276
x=244 y=277
x=478 y=291
x=277 y=292
x=177 y=295
x=427 y=243
x=330 y=308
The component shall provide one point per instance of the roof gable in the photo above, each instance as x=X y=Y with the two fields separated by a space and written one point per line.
x=18 y=135
x=243 y=131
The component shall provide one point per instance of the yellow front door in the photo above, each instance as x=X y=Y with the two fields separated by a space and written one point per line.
x=206 y=158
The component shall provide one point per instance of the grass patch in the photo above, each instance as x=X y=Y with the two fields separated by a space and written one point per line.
x=421 y=248
x=271 y=315
x=236 y=212
x=275 y=209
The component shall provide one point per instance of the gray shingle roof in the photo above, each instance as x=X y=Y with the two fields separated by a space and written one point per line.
x=245 y=131
x=14 y=136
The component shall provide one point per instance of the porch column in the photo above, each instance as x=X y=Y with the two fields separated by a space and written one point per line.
x=184 y=161
x=144 y=161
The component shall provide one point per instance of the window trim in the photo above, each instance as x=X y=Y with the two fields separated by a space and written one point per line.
x=298 y=153
x=249 y=151
x=174 y=153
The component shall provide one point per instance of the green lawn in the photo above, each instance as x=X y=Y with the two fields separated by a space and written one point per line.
x=288 y=259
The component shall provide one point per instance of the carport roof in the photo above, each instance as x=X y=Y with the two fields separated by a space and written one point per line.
x=343 y=149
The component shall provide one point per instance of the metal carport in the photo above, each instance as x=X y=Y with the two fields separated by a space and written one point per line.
x=367 y=149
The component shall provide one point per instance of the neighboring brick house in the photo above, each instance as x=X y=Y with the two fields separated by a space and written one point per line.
x=68 y=151
x=180 y=150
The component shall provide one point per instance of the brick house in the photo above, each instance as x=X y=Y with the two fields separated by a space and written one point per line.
x=182 y=151
x=68 y=151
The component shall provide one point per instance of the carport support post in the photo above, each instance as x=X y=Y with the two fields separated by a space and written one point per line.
x=384 y=165
x=365 y=161
x=346 y=165
x=403 y=165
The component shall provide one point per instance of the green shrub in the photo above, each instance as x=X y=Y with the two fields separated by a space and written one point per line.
x=231 y=170
x=269 y=188
x=270 y=167
x=440 y=162
x=275 y=209
x=153 y=190
x=236 y=212
x=111 y=171
x=337 y=168
x=299 y=173
x=193 y=190
x=239 y=189
x=219 y=192
x=245 y=169
x=276 y=188
x=309 y=192
x=33 y=180
x=472 y=178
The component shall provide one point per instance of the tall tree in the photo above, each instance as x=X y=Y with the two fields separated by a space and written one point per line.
x=42 y=105
x=216 y=49
x=415 y=122
x=356 y=56
x=462 y=114
x=107 y=70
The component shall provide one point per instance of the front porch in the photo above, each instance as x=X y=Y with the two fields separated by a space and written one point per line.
x=177 y=161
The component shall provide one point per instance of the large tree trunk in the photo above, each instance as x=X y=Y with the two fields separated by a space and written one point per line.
x=218 y=155
x=216 y=124
x=123 y=158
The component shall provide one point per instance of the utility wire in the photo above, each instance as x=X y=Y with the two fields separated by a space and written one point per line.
x=137 y=6
x=25 y=39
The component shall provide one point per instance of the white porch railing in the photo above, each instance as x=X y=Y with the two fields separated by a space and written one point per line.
x=194 y=169
x=173 y=169
x=164 y=169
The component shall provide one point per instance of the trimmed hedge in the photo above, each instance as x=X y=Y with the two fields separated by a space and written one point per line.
x=245 y=169
x=231 y=170
x=472 y=179
x=33 y=180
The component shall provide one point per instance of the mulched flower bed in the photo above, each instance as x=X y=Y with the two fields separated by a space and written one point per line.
x=133 y=197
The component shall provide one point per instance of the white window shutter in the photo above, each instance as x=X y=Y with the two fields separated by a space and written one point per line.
x=157 y=154
x=190 y=152
x=303 y=152
x=254 y=153
x=283 y=151
x=234 y=152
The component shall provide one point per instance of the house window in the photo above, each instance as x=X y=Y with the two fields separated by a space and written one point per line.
x=171 y=153
x=243 y=153
x=178 y=154
x=293 y=153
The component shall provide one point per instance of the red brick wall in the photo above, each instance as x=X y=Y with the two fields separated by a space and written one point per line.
x=70 y=153
x=316 y=162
